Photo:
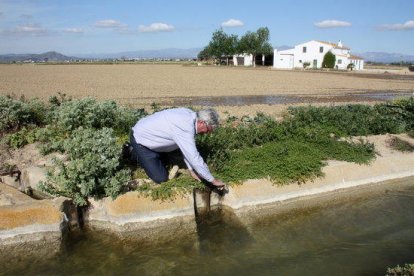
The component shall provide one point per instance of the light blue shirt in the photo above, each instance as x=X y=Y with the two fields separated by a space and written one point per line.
x=169 y=130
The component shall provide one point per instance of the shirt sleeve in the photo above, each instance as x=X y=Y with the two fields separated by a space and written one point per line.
x=186 y=142
x=188 y=164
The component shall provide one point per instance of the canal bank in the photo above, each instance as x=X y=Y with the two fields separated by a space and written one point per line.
x=133 y=215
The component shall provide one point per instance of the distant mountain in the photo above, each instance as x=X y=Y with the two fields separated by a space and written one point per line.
x=162 y=53
x=48 y=56
x=385 y=57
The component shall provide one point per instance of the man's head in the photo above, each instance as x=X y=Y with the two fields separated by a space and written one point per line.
x=207 y=120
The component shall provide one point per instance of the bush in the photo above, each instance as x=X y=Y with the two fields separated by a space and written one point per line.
x=348 y=119
x=15 y=114
x=329 y=60
x=88 y=113
x=92 y=168
x=26 y=135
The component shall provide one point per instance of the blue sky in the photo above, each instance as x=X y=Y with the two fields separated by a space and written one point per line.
x=103 y=26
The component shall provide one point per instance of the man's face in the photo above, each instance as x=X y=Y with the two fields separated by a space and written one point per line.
x=203 y=127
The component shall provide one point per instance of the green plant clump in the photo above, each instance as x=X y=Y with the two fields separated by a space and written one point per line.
x=92 y=168
x=329 y=60
x=168 y=190
x=15 y=114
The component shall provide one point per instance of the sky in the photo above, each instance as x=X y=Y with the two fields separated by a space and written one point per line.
x=102 y=26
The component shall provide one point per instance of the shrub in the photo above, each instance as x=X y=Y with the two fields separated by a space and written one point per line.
x=92 y=168
x=14 y=113
x=26 y=135
x=347 y=120
x=329 y=60
x=88 y=113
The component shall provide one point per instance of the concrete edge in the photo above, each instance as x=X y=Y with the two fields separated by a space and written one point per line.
x=317 y=191
x=31 y=229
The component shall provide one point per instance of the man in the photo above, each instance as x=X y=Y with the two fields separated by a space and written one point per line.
x=172 y=129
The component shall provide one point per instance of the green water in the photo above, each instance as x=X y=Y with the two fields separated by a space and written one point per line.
x=361 y=236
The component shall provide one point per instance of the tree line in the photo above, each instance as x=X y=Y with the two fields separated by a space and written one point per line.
x=227 y=45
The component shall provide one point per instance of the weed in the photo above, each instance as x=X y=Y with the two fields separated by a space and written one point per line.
x=400 y=145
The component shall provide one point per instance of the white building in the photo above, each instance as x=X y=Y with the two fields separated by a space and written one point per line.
x=311 y=53
x=243 y=60
x=247 y=60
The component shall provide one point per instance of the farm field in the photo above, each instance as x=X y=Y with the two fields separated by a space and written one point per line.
x=142 y=84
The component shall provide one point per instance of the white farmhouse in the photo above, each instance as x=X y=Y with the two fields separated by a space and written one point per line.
x=312 y=53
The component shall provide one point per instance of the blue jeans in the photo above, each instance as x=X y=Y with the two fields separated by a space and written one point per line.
x=149 y=160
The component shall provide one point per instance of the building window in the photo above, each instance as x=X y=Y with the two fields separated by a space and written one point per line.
x=300 y=61
x=304 y=49
x=321 y=49
x=339 y=61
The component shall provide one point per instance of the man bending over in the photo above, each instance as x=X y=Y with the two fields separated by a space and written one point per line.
x=172 y=129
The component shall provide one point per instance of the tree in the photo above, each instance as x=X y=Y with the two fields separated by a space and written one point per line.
x=204 y=54
x=255 y=43
x=221 y=44
x=329 y=60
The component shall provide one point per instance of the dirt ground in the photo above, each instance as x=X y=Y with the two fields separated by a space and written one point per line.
x=139 y=85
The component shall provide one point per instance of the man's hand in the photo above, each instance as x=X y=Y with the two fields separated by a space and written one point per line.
x=219 y=184
x=195 y=175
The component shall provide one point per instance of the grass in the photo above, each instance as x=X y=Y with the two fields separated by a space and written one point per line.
x=291 y=160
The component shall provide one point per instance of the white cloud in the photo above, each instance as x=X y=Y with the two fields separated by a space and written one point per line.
x=29 y=29
x=155 y=28
x=74 y=30
x=332 y=24
x=232 y=23
x=110 y=23
x=409 y=25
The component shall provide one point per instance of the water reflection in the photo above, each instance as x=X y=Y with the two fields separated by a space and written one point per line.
x=220 y=232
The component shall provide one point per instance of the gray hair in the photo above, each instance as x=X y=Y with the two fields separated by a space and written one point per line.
x=210 y=116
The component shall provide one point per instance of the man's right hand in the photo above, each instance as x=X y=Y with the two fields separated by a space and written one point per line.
x=219 y=184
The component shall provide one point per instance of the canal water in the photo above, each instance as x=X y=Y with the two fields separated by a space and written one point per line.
x=283 y=99
x=360 y=235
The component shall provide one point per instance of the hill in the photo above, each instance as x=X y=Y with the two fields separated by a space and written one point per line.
x=48 y=56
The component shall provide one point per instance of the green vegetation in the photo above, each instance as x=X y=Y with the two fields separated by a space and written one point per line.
x=224 y=45
x=221 y=44
x=181 y=185
x=406 y=270
x=91 y=134
x=329 y=60
x=255 y=43
x=92 y=167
